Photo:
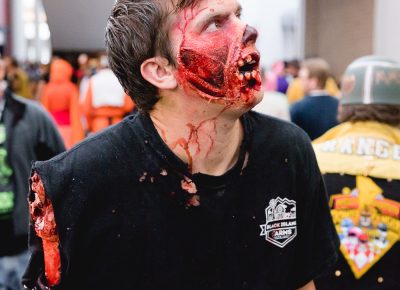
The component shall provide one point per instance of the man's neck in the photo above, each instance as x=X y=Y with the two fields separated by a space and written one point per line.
x=207 y=140
x=317 y=92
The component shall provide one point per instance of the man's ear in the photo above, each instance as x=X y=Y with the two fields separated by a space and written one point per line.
x=159 y=72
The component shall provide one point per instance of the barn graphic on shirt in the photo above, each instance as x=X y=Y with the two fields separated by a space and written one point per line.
x=280 y=227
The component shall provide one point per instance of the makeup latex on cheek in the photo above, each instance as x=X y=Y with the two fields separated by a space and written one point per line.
x=42 y=214
x=219 y=65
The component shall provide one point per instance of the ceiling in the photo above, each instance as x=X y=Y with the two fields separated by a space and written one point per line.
x=77 y=25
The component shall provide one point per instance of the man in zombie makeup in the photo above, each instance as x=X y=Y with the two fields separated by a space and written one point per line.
x=194 y=192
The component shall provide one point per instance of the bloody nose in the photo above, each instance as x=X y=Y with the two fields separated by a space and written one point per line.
x=250 y=35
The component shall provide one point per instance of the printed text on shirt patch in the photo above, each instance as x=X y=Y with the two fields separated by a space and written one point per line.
x=280 y=227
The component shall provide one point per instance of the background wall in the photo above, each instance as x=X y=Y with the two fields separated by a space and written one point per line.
x=340 y=31
x=280 y=27
x=387 y=28
x=77 y=24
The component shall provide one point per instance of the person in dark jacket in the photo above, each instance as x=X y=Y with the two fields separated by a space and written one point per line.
x=360 y=160
x=27 y=134
x=317 y=112
x=193 y=192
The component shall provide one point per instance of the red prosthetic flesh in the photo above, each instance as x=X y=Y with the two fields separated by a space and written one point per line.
x=220 y=65
x=42 y=214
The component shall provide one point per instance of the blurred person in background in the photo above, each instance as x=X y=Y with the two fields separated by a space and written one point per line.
x=275 y=79
x=105 y=103
x=35 y=76
x=82 y=62
x=292 y=68
x=17 y=78
x=273 y=103
x=44 y=77
x=317 y=112
x=27 y=134
x=83 y=74
x=360 y=160
x=61 y=98
x=296 y=92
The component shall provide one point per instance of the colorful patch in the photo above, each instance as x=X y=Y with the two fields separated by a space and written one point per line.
x=368 y=224
x=280 y=227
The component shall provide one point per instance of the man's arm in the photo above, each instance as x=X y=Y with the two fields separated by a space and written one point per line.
x=308 y=286
x=45 y=264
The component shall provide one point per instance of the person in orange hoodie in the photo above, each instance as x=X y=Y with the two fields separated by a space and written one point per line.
x=105 y=103
x=61 y=98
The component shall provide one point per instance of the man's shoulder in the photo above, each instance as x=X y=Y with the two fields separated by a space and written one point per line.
x=111 y=145
x=271 y=129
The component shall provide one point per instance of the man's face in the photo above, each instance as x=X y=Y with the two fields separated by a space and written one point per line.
x=309 y=84
x=216 y=54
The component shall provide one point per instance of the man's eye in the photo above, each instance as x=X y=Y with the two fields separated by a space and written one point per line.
x=214 y=25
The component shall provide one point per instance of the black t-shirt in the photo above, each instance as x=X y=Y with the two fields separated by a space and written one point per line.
x=121 y=203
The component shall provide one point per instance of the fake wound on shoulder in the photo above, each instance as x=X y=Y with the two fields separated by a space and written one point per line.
x=42 y=214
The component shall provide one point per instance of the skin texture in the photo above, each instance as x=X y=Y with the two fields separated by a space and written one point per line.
x=217 y=77
x=210 y=60
x=42 y=214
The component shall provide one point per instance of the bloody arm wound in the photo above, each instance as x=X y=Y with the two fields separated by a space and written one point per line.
x=42 y=213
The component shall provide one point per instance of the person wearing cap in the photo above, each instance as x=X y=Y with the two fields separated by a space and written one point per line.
x=360 y=162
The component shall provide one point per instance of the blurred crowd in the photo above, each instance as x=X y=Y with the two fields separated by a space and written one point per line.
x=354 y=125
x=288 y=83
x=83 y=95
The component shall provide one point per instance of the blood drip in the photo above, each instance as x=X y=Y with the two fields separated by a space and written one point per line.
x=193 y=138
x=42 y=213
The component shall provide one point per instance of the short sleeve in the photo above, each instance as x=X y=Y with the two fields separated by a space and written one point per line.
x=44 y=265
x=318 y=243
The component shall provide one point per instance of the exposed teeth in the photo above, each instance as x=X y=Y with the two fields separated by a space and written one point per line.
x=241 y=62
x=247 y=75
x=241 y=77
x=254 y=74
x=258 y=78
x=249 y=58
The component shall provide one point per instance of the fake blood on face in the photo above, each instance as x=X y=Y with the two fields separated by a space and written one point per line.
x=222 y=65
x=42 y=213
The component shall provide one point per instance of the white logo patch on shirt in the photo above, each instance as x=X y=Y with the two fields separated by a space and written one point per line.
x=280 y=227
